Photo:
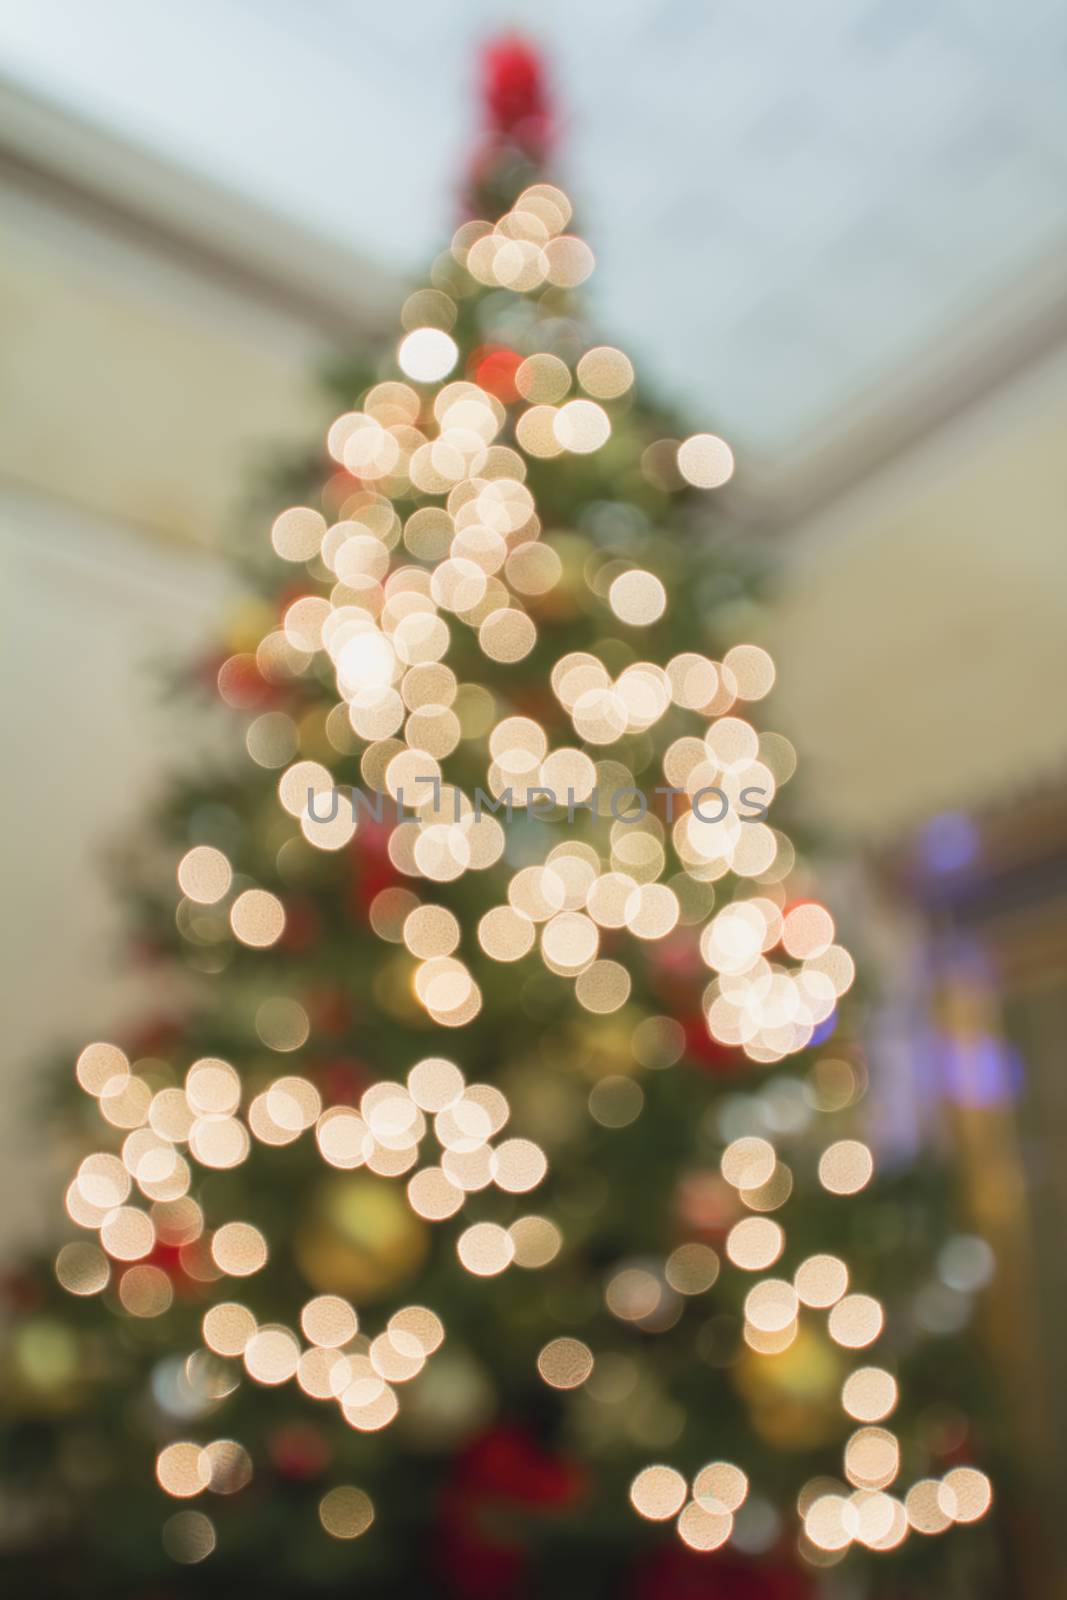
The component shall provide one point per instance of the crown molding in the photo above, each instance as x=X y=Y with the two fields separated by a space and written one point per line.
x=994 y=345
x=110 y=182
x=70 y=163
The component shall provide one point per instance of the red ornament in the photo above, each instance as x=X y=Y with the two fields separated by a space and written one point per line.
x=240 y=682
x=343 y=1080
x=677 y=960
x=21 y=1292
x=678 y=976
x=674 y=1572
x=329 y=1010
x=289 y=594
x=508 y=1461
x=303 y=925
x=299 y=1451
x=371 y=864
x=517 y=131
x=502 y=1486
x=708 y=1052
x=705 y=1203
x=145 y=952
x=493 y=368
x=339 y=488
x=168 y=1258
x=155 y=1037
x=514 y=95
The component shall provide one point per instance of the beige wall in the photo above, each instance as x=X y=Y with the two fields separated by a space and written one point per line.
x=921 y=628
x=86 y=609
x=132 y=386
x=136 y=392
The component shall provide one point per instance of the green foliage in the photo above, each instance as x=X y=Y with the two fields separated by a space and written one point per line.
x=94 y=1392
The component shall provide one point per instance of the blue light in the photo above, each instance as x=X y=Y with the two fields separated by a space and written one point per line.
x=823 y=1030
x=948 y=842
x=982 y=1071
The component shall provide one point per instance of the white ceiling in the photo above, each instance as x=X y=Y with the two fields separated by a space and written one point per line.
x=788 y=203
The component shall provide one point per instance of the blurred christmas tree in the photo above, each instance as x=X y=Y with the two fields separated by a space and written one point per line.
x=465 y=1235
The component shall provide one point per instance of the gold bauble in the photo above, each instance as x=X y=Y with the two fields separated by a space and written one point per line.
x=45 y=1365
x=794 y=1396
x=602 y=1046
x=315 y=742
x=360 y=1237
x=247 y=622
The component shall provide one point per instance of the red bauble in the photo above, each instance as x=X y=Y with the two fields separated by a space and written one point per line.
x=329 y=1008
x=145 y=952
x=509 y=1462
x=477 y=1564
x=371 y=864
x=168 y=1258
x=501 y=1486
x=339 y=487
x=21 y=1291
x=303 y=925
x=708 y=1052
x=677 y=963
x=289 y=594
x=674 y=1572
x=343 y=1080
x=513 y=91
x=240 y=682
x=299 y=1451
x=493 y=368
x=678 y=977
x=156 y=1036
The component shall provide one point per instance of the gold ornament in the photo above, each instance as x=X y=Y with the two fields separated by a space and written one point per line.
x=793 y=1396
x=246 y=624
x=360 y=1238
x=46 y=1365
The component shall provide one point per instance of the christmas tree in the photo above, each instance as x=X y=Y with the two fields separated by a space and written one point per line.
x=496 y=1216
